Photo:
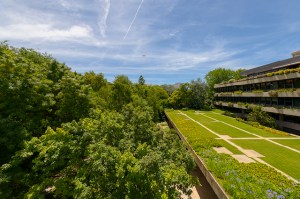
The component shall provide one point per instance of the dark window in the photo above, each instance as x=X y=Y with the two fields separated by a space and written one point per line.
x=274 y=85
x=274 y=101
x=281 y=84
x=289 y=83
x=297 y=102
x=297 y=83
x=280 y=101
x=288 y=101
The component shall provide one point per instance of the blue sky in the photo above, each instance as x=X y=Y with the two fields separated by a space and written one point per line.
x=166 y=41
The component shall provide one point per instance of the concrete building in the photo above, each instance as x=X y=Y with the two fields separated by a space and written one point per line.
x=275 y=87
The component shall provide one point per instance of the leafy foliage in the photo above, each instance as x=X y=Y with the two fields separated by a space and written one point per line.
x=35 y=92
x=261 y=117
x=189 y=95
x=220 y=75
x=108 y=155
x=66 y=135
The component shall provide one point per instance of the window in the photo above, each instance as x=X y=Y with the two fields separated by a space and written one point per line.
x=281 y=84
x=297 y=83
x=274 y=101
x=296 y=102
x=274 y=85
x=288 y=101
x=289 y=83
x=281 y=101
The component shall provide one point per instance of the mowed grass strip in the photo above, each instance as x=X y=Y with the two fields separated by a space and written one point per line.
x=189 y=128
x=194 y=132
x=241 y=125
x=218 y=127
x=281 y=158
x=291 y=143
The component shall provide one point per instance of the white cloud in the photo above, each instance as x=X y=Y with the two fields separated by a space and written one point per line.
x=44 y=31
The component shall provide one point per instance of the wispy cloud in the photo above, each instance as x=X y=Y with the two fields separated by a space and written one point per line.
x=169 y=39
x=103 y=18
x=135 y=15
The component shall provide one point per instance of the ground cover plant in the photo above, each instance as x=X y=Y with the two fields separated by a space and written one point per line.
x=282 y=158
x=278 y=156
x=254 y=180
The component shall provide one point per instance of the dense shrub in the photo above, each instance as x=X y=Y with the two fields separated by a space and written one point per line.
x=261 y=117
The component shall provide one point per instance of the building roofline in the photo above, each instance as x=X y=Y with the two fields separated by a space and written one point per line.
x=272 y=66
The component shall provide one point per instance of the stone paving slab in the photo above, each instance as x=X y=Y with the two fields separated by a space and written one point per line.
x=222 y=150
x=243 y=158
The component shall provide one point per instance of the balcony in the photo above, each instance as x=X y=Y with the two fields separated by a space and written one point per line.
x=271 y=93
x=259 y=79
x=271 y=109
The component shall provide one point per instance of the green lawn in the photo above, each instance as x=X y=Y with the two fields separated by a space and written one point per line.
x=218 y=127
x=242 y=125
x=291 y=143
x=281 y=158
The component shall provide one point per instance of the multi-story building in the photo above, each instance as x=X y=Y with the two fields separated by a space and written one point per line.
x=275 y=87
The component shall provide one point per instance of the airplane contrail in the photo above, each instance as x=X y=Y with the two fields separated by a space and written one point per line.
x=136 y=13
x=102 y=22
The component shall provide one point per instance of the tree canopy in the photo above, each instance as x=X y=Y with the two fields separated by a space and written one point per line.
x=220 y=75
x=189 y=95
x=67 y=135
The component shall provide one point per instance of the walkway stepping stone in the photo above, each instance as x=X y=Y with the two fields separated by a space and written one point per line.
x=243 y=158
x=222 y=150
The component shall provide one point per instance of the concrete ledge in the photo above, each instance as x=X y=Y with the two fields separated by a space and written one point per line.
x=255 y=80
x=217 y=188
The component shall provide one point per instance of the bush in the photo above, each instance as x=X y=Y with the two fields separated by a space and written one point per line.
x=261 y=117
x=230 y=104
x=207 y=107
x=273 y=93
x=230 y=114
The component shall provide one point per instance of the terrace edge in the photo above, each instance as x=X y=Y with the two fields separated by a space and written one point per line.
x=216 y=187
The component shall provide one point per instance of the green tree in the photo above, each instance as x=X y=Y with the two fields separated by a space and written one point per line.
x=189 y=95
x=121 y=92
x=263 y=118
x=66 y=135
x=198 y=97
x=96 y=81
x=36 y=91
x=141 y=80
x=108 y=155
x=72 y=98
x=218 y=76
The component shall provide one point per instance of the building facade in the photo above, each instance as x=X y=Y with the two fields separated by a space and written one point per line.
x=275 y=87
